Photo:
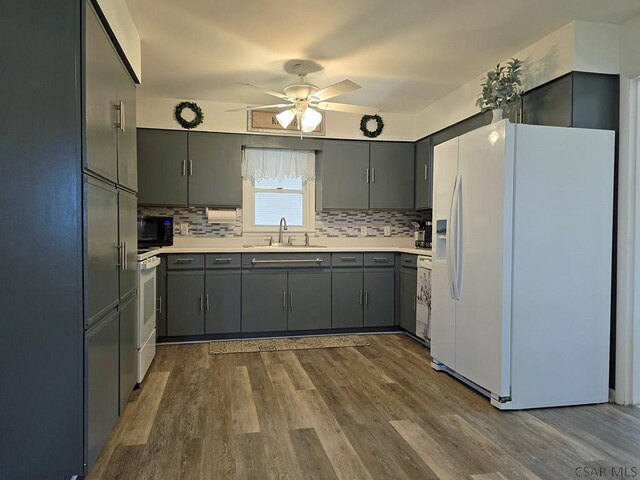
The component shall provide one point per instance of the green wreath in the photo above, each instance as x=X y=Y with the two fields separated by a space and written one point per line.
x=197 y=120
x=366 y=131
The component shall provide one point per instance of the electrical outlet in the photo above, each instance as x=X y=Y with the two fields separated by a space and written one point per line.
x=364 y=231
x=387 y=231
x=184 y=229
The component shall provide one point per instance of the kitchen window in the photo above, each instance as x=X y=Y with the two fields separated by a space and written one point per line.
x=278 y=183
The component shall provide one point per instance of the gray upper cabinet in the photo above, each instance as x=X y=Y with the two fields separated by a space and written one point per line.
x=189 y=168
x=101 y=79
x=127 y=151
x=162 y=167
x=264 y=300
x=102 y=248
x=185 y=303
x=424 y=175
x=392 y=175
x=344 y=171
x=128 y=236
x=549 y=104
x=128 y=350
x=223 y=301
x=379 y=309
x=110 y=109
x=214 y=169
x=309 y=299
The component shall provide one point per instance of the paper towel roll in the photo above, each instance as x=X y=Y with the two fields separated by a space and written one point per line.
x=221 y=216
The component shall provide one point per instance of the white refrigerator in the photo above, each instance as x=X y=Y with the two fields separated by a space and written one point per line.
x=522 y=245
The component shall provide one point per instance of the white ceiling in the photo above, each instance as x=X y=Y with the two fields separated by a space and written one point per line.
x=404 y=53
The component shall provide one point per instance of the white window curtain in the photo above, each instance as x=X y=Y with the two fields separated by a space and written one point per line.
x=272 y=163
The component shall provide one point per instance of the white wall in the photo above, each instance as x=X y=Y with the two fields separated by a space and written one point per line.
x=548 y=58
x=628 y=299
x=121 y=22
x=158 y=113
x=596 y=47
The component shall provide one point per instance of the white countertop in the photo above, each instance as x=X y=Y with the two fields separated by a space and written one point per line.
x=267 y=249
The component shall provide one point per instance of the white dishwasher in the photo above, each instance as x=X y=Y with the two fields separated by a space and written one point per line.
x=423 y=299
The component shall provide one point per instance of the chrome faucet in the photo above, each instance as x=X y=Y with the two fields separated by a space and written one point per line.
x=283 y=221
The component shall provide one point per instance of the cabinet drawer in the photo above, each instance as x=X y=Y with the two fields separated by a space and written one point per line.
x=379 y=259
x=347 y=259
x=408 y=260
x=286 y=260
x=223 y=260
x=185 y=261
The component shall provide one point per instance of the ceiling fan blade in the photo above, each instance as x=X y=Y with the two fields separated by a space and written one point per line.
x=340 y=88
x=268 y=92
x=345 y=107
x=260 y=107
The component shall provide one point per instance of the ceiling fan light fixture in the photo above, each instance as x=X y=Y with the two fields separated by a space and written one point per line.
x=310 y=120
x=286 y=117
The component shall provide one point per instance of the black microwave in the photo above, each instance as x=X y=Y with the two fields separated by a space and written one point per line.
x=154 y=232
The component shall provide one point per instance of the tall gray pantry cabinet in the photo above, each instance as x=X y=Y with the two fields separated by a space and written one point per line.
x=68 y=193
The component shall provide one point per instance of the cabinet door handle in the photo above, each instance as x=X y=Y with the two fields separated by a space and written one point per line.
x=120 y=109
x=366 y=297
x=190 y=168
x=425 y=171
x=201 y=302
x=120 y=263
x=380 y=259
x=207 y=297
x=222 y=260
x=159 y=309
x=284 y=300
x=348 y=259
x=184 y=168
x=125 y=256
x=360 y=297
x=373 y=175
x=366 y=175
x=291 y=301
x=183 y=260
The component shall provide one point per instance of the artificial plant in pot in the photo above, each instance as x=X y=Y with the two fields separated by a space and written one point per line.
x=501 y=86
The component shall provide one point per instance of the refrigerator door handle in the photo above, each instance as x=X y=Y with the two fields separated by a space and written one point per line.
x=458 y=251
x=451 y=235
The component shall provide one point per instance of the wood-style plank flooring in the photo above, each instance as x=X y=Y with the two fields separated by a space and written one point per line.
x=377 y=412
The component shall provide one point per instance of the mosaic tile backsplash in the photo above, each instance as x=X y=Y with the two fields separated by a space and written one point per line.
x=335 y=224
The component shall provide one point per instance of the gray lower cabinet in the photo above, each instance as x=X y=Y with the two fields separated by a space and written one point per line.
x=128 y=240
x=408 y=282
x=185 y=303
x=101 y=383
x=424 y=175
x=223 y=301
x=309 y=299
x=162 y=167
x=344 y=170
x=264 y=300
x=128 y=330
x=347 y=297
x=161 y=297
x=214 y=169
x=102 y=248
x=392 y=175
x=379 y=302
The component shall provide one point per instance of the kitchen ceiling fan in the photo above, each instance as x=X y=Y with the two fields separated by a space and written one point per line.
x=305 y=100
